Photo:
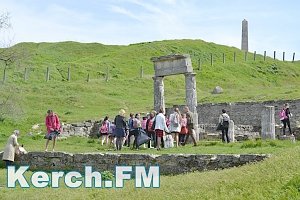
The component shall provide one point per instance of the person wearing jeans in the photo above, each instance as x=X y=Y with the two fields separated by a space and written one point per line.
x=224 y=121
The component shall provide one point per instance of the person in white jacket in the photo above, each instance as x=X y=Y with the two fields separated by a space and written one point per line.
x=10 y=148
x=160 y=127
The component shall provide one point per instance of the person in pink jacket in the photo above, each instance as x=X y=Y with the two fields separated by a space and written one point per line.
x=53 y=128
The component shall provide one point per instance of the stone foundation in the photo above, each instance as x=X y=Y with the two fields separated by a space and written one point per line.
x=170 y=164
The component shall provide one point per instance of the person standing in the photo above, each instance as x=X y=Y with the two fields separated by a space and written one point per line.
x=137 y=126
x=121 y=128
x=184 y=130
x=131 y=129
x=150 y=130
x=53 y=128
x=160 y=127
x=285 y=116
x=190 y=125
x=104 y=130
x=10 y=148
x=224 y=121
x=175 y=125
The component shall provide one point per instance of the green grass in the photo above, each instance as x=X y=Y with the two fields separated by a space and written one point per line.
x=77 y=100
x=85 y=145
x=80 y=100
x=275 y=178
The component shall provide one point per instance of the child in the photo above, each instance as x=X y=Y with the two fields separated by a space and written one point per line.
x=104 y=131
x=183 y=130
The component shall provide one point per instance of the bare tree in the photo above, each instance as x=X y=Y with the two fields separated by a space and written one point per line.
x=9 y=101
x=4 y=21
x=9 y=105
x=7 y=55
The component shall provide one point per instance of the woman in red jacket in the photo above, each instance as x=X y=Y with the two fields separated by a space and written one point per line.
x=53 y=128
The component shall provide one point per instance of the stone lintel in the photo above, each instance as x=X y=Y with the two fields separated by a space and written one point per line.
x=172 y=65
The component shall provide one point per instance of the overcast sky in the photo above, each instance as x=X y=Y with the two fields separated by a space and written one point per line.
x=273 y=24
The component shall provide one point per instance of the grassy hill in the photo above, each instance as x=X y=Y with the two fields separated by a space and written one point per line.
x=78 y=99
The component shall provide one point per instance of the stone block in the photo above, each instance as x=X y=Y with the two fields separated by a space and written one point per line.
x=172 y=65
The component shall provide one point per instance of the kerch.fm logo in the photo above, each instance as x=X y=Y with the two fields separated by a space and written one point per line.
x=143 y=178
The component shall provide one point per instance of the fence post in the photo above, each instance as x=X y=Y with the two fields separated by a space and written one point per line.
x=245 y=55
x=274 y=55
x=88 y=78
x=234 y=57
x=211 y=59
x=283 y=54
x=293 y=56
x=199 y=64
x=69 y=74
x=107 y=71
x=265 y=53
x=47 y=74
x=25 y=74
x=142 y=72
x=223 y=58
x=4 y=75
x=254 y=56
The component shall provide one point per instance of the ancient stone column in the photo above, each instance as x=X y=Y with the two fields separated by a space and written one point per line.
x=159 y=98
x=245 y=35
x=191 y=98
x=231 y=131
x=268 y=123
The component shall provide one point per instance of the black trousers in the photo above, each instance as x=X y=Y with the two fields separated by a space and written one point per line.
x=136 y=133
x=131 y=132
x=225 y=134
x=286 y=122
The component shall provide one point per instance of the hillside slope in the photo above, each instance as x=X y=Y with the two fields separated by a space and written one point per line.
x=78 y=99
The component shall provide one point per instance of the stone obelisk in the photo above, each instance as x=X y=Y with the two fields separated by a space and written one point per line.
x=245 y=35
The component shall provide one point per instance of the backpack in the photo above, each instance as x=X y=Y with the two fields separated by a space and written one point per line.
x=282 y=114
x=104 y=127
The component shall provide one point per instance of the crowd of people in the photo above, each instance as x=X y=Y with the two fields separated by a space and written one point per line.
x=156 y=130
x=161 y=130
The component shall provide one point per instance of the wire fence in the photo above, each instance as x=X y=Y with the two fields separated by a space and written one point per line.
x=200 y=60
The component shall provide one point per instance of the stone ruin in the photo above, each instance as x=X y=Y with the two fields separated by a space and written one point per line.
x=170 y=164
x=174 y=65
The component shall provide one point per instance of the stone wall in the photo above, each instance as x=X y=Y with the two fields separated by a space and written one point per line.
x=86 y=129
x=246 y=115
x=169 y=163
